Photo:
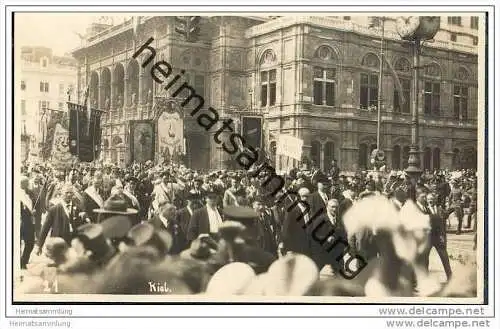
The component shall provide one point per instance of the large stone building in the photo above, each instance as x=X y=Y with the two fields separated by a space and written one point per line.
x=42 y=85
x=315 y=78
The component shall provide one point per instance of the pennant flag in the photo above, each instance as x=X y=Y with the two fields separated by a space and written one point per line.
x=82 y=144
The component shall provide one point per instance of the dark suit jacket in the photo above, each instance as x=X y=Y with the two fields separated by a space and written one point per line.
x=324 y=251
x=293 y=234
x=59 y=222
x=316 y=202
x=438 y=227
x=183 y=218
x=199 y=223
x=179 y=242
x=89 y=206
x=27 y=224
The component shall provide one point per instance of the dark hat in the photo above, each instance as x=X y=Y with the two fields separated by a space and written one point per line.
x=93 y=239
x=116 y=205
x=211 y=194
x=145 y=234
x=116 y=227
x=201 y=248
x=243 y=215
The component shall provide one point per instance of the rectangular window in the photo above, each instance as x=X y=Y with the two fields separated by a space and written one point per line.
x=42 y=107
x=474 y=22
x=455 y=20
x=368 y=91
x=23 y=85
x=268 y=88
x=23 y=107
x=347 y=18
x=460 y=96
x=453 y=37
x=432 y=98
x=405 y=107
x=44 y=87
x=324 y=86
x=474 y=41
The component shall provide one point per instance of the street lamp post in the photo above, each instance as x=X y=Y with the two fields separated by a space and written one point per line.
x=414 y=170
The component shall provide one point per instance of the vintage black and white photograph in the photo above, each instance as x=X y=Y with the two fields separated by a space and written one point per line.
x=326 y=157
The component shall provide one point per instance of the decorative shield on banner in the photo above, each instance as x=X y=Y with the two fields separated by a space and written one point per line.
x=170 y=131
x=142 y=139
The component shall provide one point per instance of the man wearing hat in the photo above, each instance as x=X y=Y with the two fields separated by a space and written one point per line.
x=166 y=220
x=62 y=219
x=185 y=214
x=319 y=199
x=115 y=205
x=207 y=219
x=267 y=235
x=241 y=230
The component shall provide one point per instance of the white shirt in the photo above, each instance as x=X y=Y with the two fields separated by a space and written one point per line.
x=323 y=196
x=304 y=212
x=214 y=219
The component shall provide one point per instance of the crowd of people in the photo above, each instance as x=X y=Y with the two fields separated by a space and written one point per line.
x=164 y=228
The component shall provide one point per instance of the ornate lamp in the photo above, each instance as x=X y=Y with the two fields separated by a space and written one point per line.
x=416 y=29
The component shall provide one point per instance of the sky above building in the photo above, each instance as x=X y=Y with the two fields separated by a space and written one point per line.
x=58 y=31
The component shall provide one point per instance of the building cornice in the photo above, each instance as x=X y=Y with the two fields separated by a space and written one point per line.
x=346 y=26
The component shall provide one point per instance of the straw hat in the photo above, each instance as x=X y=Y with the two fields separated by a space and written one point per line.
x=231 y=279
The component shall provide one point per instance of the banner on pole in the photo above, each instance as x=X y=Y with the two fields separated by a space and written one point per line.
x=84 y=132
x=290 y=146
x=61 y=157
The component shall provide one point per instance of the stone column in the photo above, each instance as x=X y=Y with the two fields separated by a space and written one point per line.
x=140 y=93
x=125 y=94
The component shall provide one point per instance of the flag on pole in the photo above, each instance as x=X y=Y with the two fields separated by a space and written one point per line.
x=83 y=144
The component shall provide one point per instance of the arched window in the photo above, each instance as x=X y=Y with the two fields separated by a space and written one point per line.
x=436 y=159
x=368 y=93
x=406 y=155
x=402 y=91
x=324 y=76
x=315 y=153
x=272 y=151
x=119 y=86
x=432 y=90
x=267 y=79
x=329 y=155
x=133 y=83
x=362 y=158
x=396 y=157
x=427 y=158
x=456 y=159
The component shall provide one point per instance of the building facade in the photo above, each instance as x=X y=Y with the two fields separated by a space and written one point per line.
x=43 y=84
x=315 y=78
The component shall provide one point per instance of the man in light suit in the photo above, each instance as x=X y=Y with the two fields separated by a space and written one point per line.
x=205 y=220
x=93 y=197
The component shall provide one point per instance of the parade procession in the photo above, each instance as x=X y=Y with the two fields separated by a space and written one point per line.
x=132 y=192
